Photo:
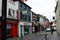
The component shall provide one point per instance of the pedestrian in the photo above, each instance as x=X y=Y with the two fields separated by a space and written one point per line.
x=52 y=29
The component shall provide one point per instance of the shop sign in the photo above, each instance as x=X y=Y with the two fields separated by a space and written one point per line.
x=24 y=12
x=10 y=21
x=25 y=23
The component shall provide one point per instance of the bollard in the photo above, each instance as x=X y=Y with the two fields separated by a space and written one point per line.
x=45 y=36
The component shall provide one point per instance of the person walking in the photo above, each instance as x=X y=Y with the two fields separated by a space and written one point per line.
x=52 y=29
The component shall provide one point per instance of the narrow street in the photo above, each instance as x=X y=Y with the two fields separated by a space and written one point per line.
x=29 y=19
x=55 y=36
x=40 y=36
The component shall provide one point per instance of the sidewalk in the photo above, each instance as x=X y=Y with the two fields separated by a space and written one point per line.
x=33 y=36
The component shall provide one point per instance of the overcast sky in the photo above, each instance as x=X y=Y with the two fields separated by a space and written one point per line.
x=43 y=7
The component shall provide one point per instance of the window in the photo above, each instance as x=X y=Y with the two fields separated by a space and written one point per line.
x=26 y=30
x=20 y=4
x=29 y=17
x=9 y=27
x=11 y=12
x=23 y=6
x=23 y=17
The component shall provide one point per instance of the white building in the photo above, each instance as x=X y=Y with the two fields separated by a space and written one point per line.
x=12 y=7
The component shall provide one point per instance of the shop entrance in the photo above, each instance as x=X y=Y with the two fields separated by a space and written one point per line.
x=26 y=30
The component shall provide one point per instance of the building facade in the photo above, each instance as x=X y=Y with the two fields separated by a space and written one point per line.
x=35 y=23
x=25 y=19
x=57 y=11
x=12 y=21
x=41 y=20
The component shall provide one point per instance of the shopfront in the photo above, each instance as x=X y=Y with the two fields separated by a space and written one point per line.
x=24 y=28
x=12 y=28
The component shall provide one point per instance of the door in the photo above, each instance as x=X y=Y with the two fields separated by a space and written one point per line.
x=15 y=30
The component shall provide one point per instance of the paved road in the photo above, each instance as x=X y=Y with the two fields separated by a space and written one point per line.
x=37 y=36
x=40 y=36
x=54 y=36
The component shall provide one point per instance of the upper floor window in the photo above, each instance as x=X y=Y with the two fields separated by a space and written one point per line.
x=23 y=17
x=29 y=18
x=11 y=12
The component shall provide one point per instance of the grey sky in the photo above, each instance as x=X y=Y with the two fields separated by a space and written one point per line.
x=43 y=7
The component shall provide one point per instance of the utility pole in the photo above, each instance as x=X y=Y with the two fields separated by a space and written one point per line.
x=4 y=15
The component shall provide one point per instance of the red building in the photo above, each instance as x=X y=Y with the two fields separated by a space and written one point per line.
x=11 y=28
x=12 y=19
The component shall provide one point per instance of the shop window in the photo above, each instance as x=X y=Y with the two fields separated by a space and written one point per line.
x=9 y=27
x=26 y=30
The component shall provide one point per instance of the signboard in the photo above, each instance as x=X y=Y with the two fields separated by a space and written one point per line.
x=25 y=23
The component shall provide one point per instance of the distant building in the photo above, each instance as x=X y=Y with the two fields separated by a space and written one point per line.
x=41 y=20
x=35 y=22
x=46 y=22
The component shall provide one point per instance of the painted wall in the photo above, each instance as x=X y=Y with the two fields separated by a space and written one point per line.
x=13 y=6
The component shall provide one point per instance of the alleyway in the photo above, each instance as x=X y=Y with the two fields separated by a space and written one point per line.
x=40 y=36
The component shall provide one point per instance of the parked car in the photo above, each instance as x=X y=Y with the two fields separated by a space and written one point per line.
x=48 y=29
x=54 y=28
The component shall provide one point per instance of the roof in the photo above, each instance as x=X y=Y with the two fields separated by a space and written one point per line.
x=26 y=4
